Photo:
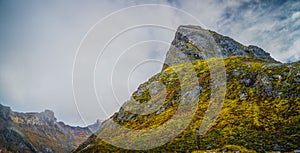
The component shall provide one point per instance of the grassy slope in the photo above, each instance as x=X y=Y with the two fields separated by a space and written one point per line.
x=265 y=118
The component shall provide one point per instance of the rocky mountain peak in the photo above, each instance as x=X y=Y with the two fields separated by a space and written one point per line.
x=4 y=111
x=193 y=42
x=48 y=115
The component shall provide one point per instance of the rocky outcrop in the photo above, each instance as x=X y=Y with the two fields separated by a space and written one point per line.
x=5 y=112
x=193 y=43
x=39 y=132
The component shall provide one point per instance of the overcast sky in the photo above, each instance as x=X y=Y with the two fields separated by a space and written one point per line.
x=40 y=40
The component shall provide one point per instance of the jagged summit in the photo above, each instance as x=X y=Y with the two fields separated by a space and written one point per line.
x=193 y=42
x=39 y=132
x=48 y=115
x=4 y=111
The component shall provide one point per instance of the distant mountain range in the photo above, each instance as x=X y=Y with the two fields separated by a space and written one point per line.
x=260 y=111
x=39 y=132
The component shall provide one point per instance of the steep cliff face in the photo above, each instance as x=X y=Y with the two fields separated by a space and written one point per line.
x=193 y=43
x=261 y=109
x=38 y=132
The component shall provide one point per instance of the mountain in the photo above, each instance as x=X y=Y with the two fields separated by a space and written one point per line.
x=192 y=43
x=213 y=93
x=38 y=132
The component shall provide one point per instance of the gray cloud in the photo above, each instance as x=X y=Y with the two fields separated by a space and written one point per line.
x=272 y=26
x=39 y=41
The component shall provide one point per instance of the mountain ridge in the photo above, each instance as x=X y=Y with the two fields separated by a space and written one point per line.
x=39 y=132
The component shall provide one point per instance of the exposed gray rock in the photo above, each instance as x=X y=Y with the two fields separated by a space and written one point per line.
x=265 y=80
x=269 y=90
x=243 y=96
x=297 y=80
x=131 y=117
x=286 y=84
x=208 y=147
x=236 y=72
x=277 y=77
x=224 y=150
x=248 y=81
x=48 y=116
x=160 y=111
x=48 y=150
x=192 y=95
x=272 y=65
x=163 y=108
x=5 y=112
x=193 y=42
x=279 y=94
